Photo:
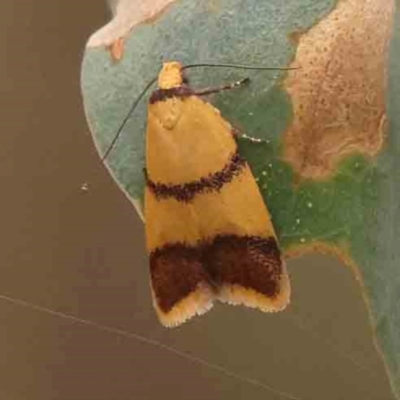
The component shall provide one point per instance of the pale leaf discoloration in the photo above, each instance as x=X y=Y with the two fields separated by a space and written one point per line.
x=338 y=94
x=128 y=14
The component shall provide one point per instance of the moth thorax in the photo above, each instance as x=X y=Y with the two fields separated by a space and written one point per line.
x=170 y=75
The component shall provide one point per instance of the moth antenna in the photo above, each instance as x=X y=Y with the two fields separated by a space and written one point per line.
x=125 y=120
x=240 y=66
x=137 y=100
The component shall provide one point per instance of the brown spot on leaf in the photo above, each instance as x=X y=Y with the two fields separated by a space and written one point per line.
x=214 y=6
x=338 y=94
x=117 y=49
x=295 y=37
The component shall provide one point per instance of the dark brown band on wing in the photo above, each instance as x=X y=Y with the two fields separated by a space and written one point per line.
x=176 y=270
x=164 y=94
x=248 y=261
x=185 y=192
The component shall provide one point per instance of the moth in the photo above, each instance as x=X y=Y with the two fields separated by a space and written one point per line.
x=208 y=230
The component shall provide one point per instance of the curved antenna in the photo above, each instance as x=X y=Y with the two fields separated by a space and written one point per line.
x=131 y=110
x=137 y=100
x=239 y=66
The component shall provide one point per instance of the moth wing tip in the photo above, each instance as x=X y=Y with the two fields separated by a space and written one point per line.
x=197 y=302
x=235 y=294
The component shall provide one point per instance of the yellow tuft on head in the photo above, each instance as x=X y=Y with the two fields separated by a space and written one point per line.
x=170 y=75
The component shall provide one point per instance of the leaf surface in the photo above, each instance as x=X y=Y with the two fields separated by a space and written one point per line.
x=328 y=161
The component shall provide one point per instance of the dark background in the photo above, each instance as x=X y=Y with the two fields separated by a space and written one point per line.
x=82 y=254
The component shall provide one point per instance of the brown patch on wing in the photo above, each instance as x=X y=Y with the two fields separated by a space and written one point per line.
x=250 y=262
x=237 y=269
x=338 y=94
x=186 y=192
x=176 y=271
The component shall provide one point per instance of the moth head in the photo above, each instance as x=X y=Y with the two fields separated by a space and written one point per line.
x=170 y=75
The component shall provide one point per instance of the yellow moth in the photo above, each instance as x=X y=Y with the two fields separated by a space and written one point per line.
x=208 y=231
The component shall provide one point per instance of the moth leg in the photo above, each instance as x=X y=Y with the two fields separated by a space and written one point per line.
x=237 y=134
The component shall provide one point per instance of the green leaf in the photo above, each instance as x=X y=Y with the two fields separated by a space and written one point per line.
x=330 y=182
